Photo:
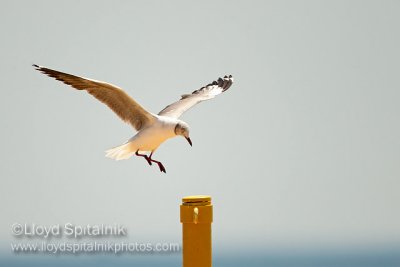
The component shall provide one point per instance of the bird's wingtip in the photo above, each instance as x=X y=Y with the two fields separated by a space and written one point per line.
x=225 y=83
x=228 y=77
x=36 y=66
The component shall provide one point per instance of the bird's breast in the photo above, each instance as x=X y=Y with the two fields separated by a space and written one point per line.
x=150 y=138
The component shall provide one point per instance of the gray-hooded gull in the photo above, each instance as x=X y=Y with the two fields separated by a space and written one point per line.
x=153 y=129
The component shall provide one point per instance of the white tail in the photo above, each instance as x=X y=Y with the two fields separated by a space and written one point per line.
x=124 y=151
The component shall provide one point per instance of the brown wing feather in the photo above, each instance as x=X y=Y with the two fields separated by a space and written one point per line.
x=114 y=97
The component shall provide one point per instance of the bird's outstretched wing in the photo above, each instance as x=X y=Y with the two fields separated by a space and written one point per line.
x=189 y=100
x=114 y=97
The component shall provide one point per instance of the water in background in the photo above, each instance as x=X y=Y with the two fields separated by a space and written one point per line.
x=381 y=259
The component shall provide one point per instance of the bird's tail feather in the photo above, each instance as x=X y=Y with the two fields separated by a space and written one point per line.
x=124 y=151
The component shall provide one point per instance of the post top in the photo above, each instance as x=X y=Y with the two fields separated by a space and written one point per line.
x=196 y=199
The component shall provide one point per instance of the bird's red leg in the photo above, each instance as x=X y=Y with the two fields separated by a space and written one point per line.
x=144 y=156
x=160 y=165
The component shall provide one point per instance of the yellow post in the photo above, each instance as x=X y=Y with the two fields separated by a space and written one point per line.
x=196 y=219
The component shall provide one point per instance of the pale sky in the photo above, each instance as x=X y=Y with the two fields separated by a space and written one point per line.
x=303 y=149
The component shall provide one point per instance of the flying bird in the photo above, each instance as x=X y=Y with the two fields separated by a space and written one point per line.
x=152 y=129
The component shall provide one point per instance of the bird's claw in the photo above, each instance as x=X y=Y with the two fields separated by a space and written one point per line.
x=148 y=160
x=162 y=169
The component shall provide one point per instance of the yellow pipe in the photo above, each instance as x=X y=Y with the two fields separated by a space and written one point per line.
x=196 y=219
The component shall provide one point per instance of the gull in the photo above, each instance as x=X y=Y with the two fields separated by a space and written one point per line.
x=152 y=129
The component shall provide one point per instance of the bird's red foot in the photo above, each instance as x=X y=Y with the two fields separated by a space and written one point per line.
x=160 y=165
x=144 y=156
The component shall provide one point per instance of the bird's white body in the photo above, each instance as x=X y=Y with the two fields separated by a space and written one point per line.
x=152 y=129
x=148 y=139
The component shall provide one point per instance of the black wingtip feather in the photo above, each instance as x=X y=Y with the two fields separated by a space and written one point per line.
x=225 y=83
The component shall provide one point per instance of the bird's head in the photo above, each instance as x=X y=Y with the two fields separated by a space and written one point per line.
x=182 y=128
